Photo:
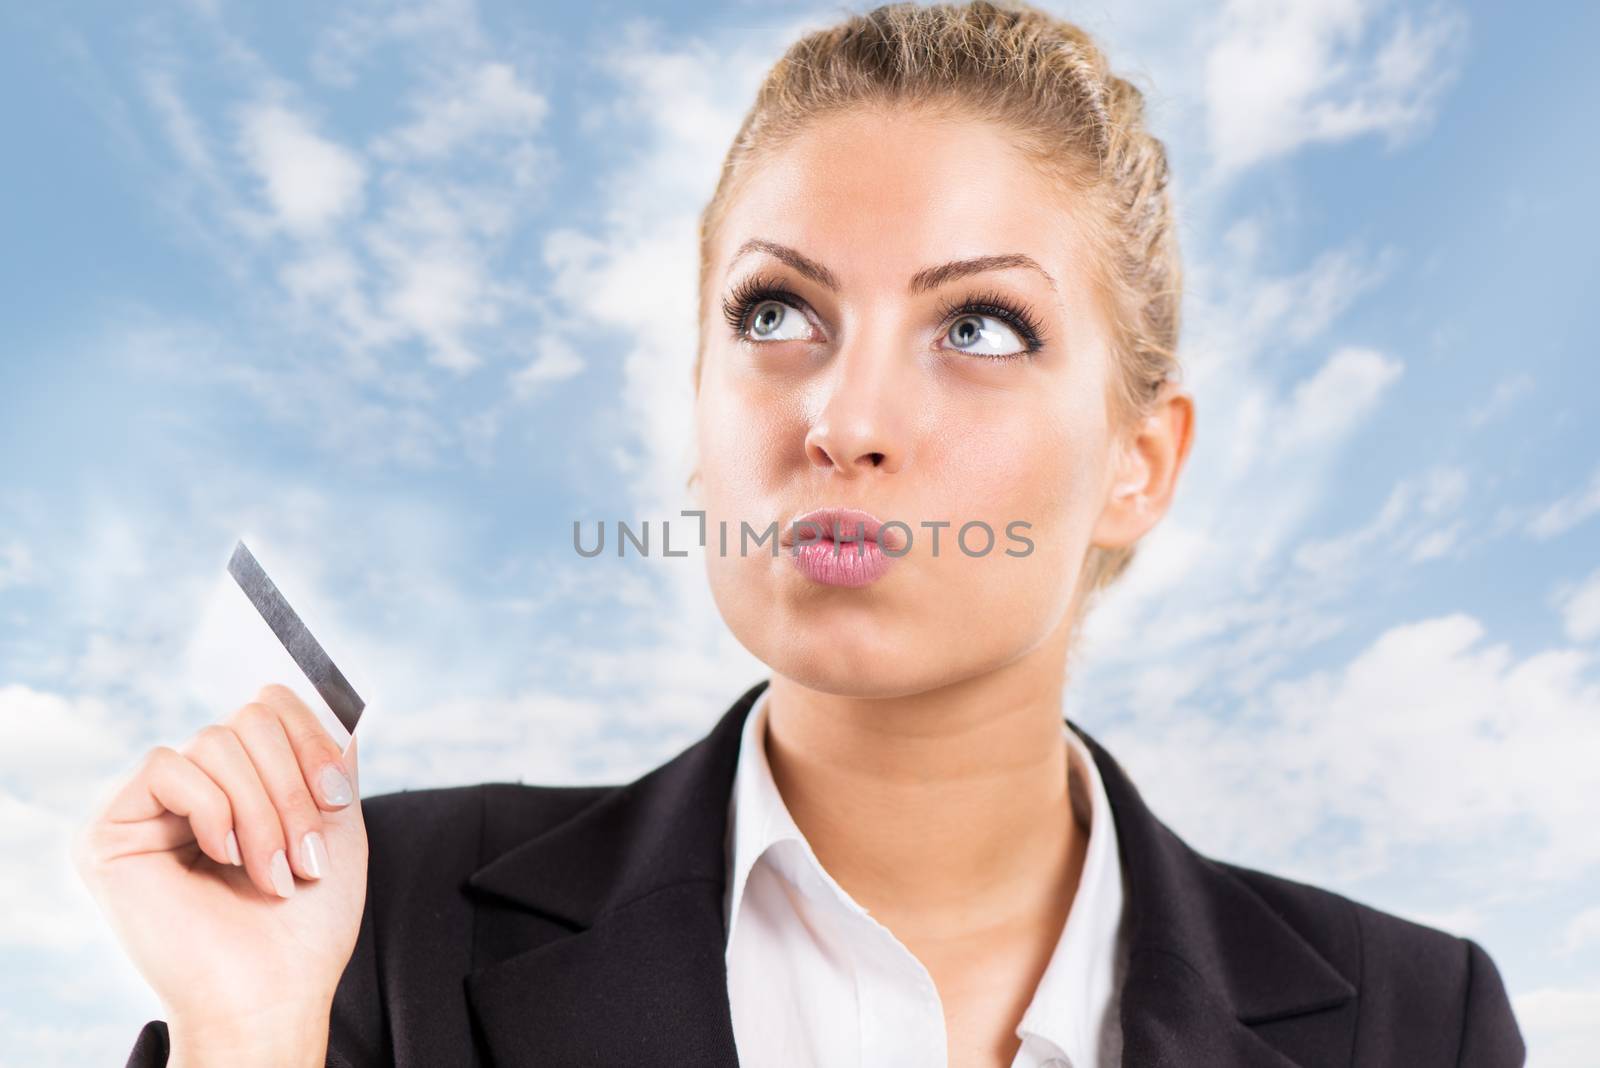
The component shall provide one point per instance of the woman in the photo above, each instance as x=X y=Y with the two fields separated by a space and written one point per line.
x=939 y=299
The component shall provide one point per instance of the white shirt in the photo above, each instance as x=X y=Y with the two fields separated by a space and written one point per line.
x=815 y=980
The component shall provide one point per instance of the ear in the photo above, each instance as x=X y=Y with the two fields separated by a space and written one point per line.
x=1144 y=469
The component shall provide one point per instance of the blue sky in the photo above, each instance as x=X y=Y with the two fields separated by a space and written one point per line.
x=399 y=292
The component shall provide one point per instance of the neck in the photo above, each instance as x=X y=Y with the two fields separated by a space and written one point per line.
x=942 y=811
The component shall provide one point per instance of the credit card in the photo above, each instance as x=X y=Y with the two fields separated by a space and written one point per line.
x=297 y=639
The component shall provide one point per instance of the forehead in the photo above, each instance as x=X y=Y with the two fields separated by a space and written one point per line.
x=877 y=196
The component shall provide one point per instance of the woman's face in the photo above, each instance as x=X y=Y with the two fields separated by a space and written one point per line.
x=880 y=392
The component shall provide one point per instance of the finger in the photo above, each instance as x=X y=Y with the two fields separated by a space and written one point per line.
x=261 y=732
x=166 y=803
x=352 y=768
x=321 y=763
x=219 y=752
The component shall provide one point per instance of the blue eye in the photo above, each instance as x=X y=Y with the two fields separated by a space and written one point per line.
x=971 y=330
x=773 y=320
x=760 y=310
x=997 y=310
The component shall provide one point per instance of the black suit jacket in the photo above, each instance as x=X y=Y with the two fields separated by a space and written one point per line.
x=514 y=925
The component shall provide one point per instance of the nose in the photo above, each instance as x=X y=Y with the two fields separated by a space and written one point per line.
x=863 y=422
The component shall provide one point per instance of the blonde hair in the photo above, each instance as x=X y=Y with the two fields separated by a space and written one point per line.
x=1047 y=82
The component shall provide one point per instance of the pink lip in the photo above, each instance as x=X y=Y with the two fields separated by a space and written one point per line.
x=848 y=523
x=853 y=558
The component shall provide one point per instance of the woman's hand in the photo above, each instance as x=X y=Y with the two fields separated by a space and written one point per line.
x=244 y=957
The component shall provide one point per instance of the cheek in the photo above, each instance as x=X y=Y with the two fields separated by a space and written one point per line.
x=1035 y=468
x=738 y=442
x=1038 y=467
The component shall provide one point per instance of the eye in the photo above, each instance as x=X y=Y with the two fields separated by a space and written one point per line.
x=760 y=310
x=983 y=334
x=773 y=320
x=990 y=326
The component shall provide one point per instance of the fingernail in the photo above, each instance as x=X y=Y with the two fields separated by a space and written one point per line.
x=335 y=787
x=233 y=849
x=316 y=853
x=282 y=878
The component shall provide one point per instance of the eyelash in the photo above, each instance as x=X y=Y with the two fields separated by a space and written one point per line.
x=757 y=289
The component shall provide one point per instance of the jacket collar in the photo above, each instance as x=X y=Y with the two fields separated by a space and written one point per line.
x=1207 y=956
x=611 y=946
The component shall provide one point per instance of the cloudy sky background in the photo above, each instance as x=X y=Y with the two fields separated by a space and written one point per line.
x=399 y=292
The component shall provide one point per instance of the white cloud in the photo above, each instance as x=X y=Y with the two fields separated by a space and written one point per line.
x=1325 y=407
x=556 y=362
x=1506 y=393
x=16 y=564
x=1246 y=310
x=1241 y=484
x=182 y=129
x=487 y=100
x=310 y=181
x=1406 y=523
x=1563 y=514
x=1561 y=1026
x=435 y=291
x=1281 y=76
x=42 y=903
x=1580 y=608
x=60 y=754
x=1436 y=543
x=1443 y=490
x=1582 y=930
x=353 y=32
x=404 y=261
x=1466 y=920
x=538 y=737
x=51 y=739
x=1429 y=738
x=73 y=1039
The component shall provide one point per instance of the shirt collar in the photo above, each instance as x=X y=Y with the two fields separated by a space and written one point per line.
x=757 y=815
x=1078 y=984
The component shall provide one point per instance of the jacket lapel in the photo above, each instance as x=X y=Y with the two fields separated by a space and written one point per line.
x=643 y=985
x=602 y=940
x=1208 y=958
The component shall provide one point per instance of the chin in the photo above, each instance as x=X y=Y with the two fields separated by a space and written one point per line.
x=850 y=673
x=901 y=636
x=842 y=648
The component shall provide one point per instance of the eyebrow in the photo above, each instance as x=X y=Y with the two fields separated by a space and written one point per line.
x=924 y=280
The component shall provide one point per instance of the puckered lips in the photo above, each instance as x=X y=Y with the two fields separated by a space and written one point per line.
x=840 y=547
x=842 y=525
